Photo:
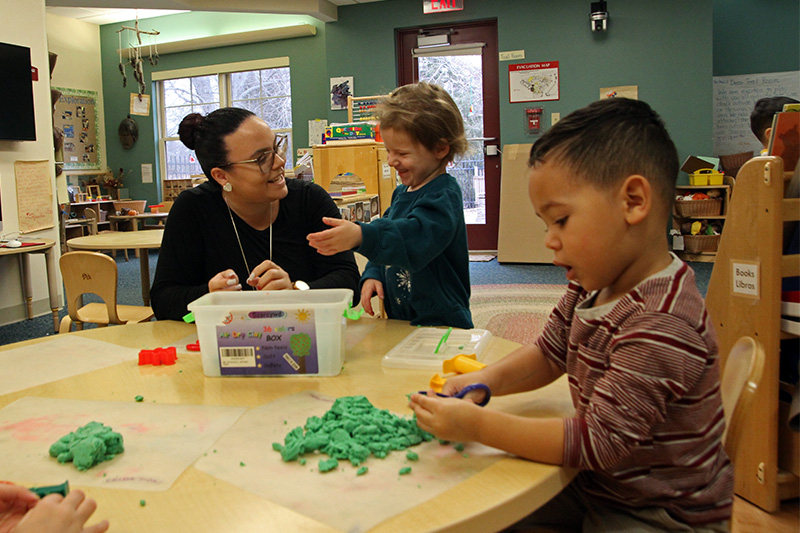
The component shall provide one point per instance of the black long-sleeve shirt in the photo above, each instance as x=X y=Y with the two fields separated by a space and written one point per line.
x=200 y=242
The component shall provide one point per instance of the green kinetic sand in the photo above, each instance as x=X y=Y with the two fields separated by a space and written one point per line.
x=88 y=446
x=352 y=430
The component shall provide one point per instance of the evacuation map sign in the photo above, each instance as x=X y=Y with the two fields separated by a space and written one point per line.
x=533 y=82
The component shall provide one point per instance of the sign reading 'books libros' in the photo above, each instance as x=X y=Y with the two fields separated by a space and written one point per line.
x=440 y=6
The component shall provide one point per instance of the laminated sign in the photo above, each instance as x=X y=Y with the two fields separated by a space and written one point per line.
x=277 y=342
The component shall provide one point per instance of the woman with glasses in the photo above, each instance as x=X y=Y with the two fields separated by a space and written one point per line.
x=245 y=228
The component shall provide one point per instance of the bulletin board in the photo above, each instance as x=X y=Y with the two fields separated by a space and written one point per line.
x=734 y=98
x=34 y=195
x=76 y=115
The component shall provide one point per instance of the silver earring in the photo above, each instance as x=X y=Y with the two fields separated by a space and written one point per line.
x=227 y=187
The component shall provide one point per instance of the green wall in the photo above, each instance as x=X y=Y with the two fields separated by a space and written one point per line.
x=670 y=50
x=673 y=73
x=307 y=59
x=754 y=36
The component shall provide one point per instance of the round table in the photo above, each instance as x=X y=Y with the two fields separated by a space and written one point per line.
x=489 y=500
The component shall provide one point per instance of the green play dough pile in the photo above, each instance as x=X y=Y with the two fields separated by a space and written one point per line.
x=352 y=430
x=88 y=446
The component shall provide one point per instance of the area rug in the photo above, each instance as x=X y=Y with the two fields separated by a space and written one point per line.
x=514 y=312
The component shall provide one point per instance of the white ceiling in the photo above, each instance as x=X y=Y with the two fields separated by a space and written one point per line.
x=108 y=14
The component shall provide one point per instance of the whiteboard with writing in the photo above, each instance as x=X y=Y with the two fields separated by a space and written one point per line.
x=734 y=98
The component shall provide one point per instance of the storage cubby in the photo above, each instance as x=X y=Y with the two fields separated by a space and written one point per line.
x=701 y=248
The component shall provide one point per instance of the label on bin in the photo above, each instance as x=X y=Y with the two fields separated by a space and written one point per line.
x=276 y=342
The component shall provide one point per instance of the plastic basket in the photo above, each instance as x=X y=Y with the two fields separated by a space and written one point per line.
x=695 y=244
x=272 y=333
x=136 y=205
x=698 y=208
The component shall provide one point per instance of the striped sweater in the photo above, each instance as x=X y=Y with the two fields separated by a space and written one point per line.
x=644 y=378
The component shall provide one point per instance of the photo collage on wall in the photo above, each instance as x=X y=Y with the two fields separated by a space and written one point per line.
x=76 y=115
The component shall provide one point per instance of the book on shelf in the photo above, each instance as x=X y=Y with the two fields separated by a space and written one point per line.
x=784 y=141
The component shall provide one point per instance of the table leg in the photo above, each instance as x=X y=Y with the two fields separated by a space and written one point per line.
x=144 y=265
x=27 y=287
x=135 y=227
x=52 y=284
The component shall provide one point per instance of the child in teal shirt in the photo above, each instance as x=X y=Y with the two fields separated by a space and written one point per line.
x=418 y=254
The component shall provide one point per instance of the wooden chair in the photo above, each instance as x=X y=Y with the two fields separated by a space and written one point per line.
x=740 y=379
x=91 y=215
x=744 y=299
x=95 y=273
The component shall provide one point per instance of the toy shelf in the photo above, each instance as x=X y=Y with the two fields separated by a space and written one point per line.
x=678 y=219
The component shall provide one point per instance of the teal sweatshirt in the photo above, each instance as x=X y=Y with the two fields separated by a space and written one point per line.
x=418 y=251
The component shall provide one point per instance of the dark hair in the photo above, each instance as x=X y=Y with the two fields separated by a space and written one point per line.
x=428 y=114
x=763 y=111
x=206 y=135
x=609 y=140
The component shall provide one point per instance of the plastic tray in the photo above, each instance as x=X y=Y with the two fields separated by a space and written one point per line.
x=417 y=350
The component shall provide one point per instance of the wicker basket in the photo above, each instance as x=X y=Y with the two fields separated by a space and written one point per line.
x=695 y=244
x=136 y=205
x=698 y=208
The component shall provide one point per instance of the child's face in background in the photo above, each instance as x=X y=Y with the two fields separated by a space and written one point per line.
x=583 y=225
x=414 y=163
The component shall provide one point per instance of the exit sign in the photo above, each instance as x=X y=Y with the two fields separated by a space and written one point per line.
x=440 y=6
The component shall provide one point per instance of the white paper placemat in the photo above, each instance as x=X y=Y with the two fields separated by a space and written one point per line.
x=160 y=441
x=61 y=357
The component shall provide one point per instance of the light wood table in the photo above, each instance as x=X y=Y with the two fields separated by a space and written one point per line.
x=142 y=241
x=116 y=220
x=488 y=501
x=46 y=247
x=134 y=219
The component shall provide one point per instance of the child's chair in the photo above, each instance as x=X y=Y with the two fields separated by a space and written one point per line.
x=95 y=273
x=93 y=218
x=740 y=379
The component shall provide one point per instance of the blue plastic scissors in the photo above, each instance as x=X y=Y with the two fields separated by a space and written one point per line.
x=466 y=390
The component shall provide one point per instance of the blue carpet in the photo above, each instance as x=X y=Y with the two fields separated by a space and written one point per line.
x=481 y=273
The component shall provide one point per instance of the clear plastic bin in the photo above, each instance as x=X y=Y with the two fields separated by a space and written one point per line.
x=272 y=333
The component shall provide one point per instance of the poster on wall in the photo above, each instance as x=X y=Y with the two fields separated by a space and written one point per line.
x=533 y=82
x=140 y=104
x=620 y=91
x=76 y=115
x=34 y=195
x=341 y=88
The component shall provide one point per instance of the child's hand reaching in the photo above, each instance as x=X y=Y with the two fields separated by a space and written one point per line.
x=370 y=287
x=447 y=418
x=21 y=511
x=15 y=501
x=344 y=235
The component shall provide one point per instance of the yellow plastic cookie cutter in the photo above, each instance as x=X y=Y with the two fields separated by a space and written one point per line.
x=460 y=364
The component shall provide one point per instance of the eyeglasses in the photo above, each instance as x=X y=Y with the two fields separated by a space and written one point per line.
x=267 y=157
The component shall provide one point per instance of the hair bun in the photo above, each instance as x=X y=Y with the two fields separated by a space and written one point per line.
x=187 y=130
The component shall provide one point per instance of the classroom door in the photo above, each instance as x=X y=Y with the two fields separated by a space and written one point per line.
x=466 y=65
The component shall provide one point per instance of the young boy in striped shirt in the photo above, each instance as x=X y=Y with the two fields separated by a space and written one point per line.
x=631 y=332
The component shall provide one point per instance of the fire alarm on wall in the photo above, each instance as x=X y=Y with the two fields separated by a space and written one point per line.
x=34 y=73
